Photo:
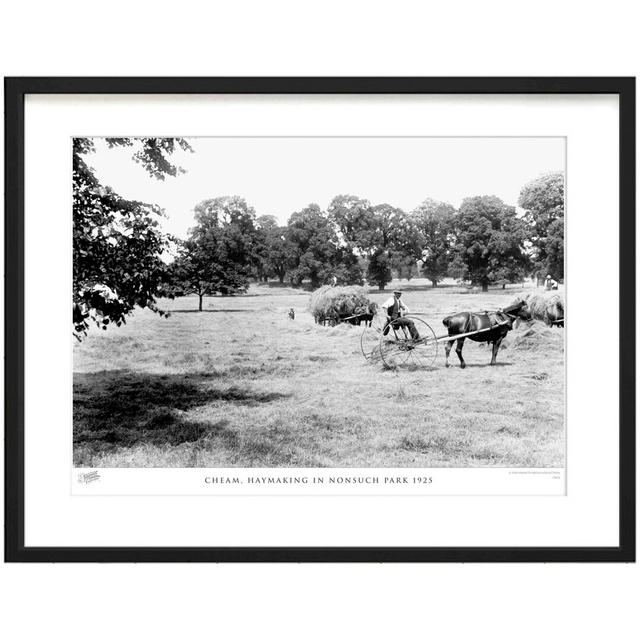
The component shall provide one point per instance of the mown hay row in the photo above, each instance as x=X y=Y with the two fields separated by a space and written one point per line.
x=534 y=336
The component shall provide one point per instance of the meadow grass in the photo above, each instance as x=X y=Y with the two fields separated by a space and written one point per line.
x=241 y=384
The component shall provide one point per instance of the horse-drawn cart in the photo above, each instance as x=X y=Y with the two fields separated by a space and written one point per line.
x=411 y=342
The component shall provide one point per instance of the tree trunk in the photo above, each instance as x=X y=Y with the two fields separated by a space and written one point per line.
x=434 y=283
x=504 y=286
x=381 y=286
x=281 y=278
x=200 y=296
x=485 y=286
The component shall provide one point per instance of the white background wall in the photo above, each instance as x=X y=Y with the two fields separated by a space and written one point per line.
x=320 y=38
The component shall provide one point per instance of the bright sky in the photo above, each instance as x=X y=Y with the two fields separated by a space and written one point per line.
x=278 y=176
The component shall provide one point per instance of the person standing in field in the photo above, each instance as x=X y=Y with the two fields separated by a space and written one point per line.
x=550 y=284
x=396 y=310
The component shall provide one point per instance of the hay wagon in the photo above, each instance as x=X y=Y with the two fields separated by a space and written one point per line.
x=334 y=319
x=395 y=347
x=335 y=305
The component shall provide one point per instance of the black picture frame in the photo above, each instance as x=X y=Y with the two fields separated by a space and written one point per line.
x=15 y=91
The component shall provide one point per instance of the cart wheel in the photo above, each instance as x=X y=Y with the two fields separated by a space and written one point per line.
x=399 y=348
x=370 y=340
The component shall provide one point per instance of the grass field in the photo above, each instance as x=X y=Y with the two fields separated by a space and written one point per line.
x=241 y=384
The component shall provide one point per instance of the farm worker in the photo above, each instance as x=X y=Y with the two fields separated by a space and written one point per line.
x=395 y=306
x=550 y=283
x=396 y=309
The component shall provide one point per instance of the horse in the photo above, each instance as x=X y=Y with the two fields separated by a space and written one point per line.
x=363 y=314
x=496 y=323
x=555 y=314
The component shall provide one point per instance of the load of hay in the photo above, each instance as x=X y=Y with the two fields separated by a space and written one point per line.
x=331 y=304
x=547 y=306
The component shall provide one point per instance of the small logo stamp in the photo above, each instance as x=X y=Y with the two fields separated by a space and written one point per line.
x=88 y=477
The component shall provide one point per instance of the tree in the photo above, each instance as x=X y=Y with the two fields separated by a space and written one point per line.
x=489 y=241
x=313 y=243
x=509 y=259
x=117 y=243
x=382 y=233
x=379 y=268
x=217 y=256
x=275 y=251
x=263 y=226
x=388 y=234
x=554 y=249
x=434 y=222
x=234 y=221
x=352 y=217
x=405 y=265
x=543 y=202
x=316 y=252
x=347 y=268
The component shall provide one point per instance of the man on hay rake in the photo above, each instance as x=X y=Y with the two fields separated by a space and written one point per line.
x=398 y=349
x=396 y=310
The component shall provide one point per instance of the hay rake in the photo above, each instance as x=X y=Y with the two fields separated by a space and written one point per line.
x=394 y=347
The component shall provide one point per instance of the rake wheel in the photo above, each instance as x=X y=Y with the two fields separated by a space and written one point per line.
x=400 y=347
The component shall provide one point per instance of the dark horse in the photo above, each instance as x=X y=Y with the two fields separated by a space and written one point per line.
x=496 y=323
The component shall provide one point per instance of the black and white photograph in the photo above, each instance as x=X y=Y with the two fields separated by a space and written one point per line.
x=287 y=352
x=319 y=302
x=320 y=319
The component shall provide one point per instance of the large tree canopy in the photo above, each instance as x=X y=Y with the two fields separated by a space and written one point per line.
x=117 y=243
x=218 y=254
x=382 y=233
x=316 y=251
x=276 y=252
x=314 y=243
x=489 y=245
x=352 y=217
x=388 y=236
x=543 y=202
x=434 y=222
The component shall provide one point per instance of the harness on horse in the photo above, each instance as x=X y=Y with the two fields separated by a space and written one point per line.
x=493 y=317
x=496 y=318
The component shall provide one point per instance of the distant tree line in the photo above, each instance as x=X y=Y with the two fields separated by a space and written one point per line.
x=484 y=242
x=118 y=243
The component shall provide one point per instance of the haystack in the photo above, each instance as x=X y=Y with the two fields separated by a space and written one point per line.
x=547 y=306
x=331 y=303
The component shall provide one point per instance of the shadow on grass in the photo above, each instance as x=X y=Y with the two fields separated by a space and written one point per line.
x=212 y=311
x=446 y=288
x=123 y=408
x=415 y=287
x=480 y=365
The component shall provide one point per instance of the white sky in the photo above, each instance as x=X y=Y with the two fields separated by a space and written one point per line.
x=278 y=176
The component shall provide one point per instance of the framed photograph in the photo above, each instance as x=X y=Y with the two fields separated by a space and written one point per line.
x=320 y=319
